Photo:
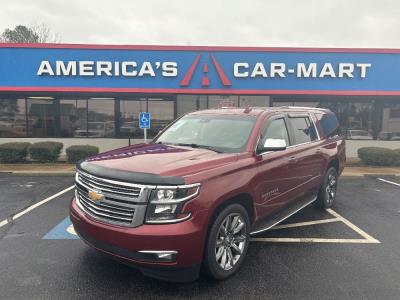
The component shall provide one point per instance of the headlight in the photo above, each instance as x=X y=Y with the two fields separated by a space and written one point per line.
x=166 y=203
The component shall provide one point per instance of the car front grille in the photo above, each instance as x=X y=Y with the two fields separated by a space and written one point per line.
x=121 y=203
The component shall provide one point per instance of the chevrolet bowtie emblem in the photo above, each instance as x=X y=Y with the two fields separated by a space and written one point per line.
x=95 y=196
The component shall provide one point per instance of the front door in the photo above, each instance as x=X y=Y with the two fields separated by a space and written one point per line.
x=277 y=175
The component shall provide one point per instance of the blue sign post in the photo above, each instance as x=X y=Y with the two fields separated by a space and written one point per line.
x=144 y=123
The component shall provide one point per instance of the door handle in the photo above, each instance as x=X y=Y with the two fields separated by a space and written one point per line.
x=292 y=159
x=318 y=151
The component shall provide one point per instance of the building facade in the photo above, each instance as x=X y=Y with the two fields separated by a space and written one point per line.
x=69 y=91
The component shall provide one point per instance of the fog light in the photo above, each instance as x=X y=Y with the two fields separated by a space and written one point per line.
x=159 y=256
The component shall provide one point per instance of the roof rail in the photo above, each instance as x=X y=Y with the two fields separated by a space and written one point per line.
x=305 y=107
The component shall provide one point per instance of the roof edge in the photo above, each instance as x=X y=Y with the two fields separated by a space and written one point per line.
x=197 y=48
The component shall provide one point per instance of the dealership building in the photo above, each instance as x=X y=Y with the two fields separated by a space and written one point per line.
x=93 y=94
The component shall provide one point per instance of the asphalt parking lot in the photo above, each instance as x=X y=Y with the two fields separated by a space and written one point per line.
x=351 y=252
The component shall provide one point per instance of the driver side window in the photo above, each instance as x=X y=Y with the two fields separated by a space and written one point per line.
x=276 y=129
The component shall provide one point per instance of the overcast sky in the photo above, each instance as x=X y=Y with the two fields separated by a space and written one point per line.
x=319 y=23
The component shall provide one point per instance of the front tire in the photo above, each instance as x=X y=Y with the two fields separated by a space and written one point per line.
x=327 y=192
x=227 y=242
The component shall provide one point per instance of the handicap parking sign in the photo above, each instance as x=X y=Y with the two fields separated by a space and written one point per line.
x=144 y=120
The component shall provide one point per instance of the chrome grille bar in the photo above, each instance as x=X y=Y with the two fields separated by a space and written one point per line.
x=123 y=203
x=126 y=188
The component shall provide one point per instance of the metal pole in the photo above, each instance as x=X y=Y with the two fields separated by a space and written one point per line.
x=145 y=135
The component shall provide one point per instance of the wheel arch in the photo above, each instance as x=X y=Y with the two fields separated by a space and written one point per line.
x=334 y=163
x=244 y=199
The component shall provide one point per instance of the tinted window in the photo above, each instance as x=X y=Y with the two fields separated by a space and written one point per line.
x=73 y=118
x=276 y=129
x=303 y=130
x=329 y=123
x=100 y=119
x=13 y=121
x=41 y=120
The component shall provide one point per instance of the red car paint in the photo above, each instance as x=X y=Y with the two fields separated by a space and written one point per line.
x=271 y=180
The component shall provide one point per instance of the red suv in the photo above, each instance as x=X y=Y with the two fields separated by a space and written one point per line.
x=192 y=197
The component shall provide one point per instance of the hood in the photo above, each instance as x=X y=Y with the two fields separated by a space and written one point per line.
x=138 y=162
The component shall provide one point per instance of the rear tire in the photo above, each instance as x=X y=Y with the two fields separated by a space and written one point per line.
x=227 y=242
x=327 y=192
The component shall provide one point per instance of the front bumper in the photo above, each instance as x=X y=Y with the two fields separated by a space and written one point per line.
x=130 y=245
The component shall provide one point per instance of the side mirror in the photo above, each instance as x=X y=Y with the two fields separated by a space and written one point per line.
x=273 y=145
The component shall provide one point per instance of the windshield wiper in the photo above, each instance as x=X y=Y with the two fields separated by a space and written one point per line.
x=200 y=146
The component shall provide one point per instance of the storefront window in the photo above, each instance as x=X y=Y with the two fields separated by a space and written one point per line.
x=217 y=101
x=101 y=122
x=129 y=117
x=390 y=125
x=73 y=117
x=282 y=103
x=360 y=121
x=203 y=101
x=162 y=113
x=254 y=101
x=186 y=103
x=12 y=118
x=41 y=117
x=189 y=103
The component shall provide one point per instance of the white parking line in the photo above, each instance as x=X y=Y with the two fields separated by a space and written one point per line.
x=313 y=240
x=32 y=207
x=367 y=239
x=387 y=181
x=352 y=226
x=308 y=223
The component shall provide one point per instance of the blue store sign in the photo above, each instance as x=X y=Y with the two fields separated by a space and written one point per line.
x=198 y=70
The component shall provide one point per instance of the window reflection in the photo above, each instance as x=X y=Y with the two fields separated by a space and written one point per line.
x=254 y=101
x=41 y=117
x=129 y=121
x=360 y=118
x=162 y=113
x=13 y=118
x=101 y=121
x=73 y=117
x=390 y=126
x=217 y=101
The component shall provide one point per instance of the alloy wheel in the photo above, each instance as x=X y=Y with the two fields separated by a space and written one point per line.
x=231 y=241
x=331 y=188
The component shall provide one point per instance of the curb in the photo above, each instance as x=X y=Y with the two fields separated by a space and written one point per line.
x=31 y=173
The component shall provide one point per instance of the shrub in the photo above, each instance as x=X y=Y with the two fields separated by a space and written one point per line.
x=377 y=156
x=13 y=152
x=45 y=151
x=77 y=152
x=397 y=153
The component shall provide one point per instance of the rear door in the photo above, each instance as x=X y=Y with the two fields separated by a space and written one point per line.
x=306 y=155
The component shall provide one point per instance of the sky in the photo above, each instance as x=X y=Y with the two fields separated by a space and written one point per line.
x=279 y=23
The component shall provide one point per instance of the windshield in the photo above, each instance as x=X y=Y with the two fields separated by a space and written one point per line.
x=221 y=133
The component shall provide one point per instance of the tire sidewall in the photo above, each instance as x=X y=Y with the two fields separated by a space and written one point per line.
x=323 y=196
x=211 y=265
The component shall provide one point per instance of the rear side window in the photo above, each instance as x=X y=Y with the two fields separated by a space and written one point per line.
x=303 y=130
x=329 y=124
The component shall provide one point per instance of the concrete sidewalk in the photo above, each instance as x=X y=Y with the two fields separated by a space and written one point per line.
x=38 y=169
x=69 y=169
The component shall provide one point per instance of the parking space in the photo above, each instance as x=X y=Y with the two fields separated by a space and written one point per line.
x=351 y=251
